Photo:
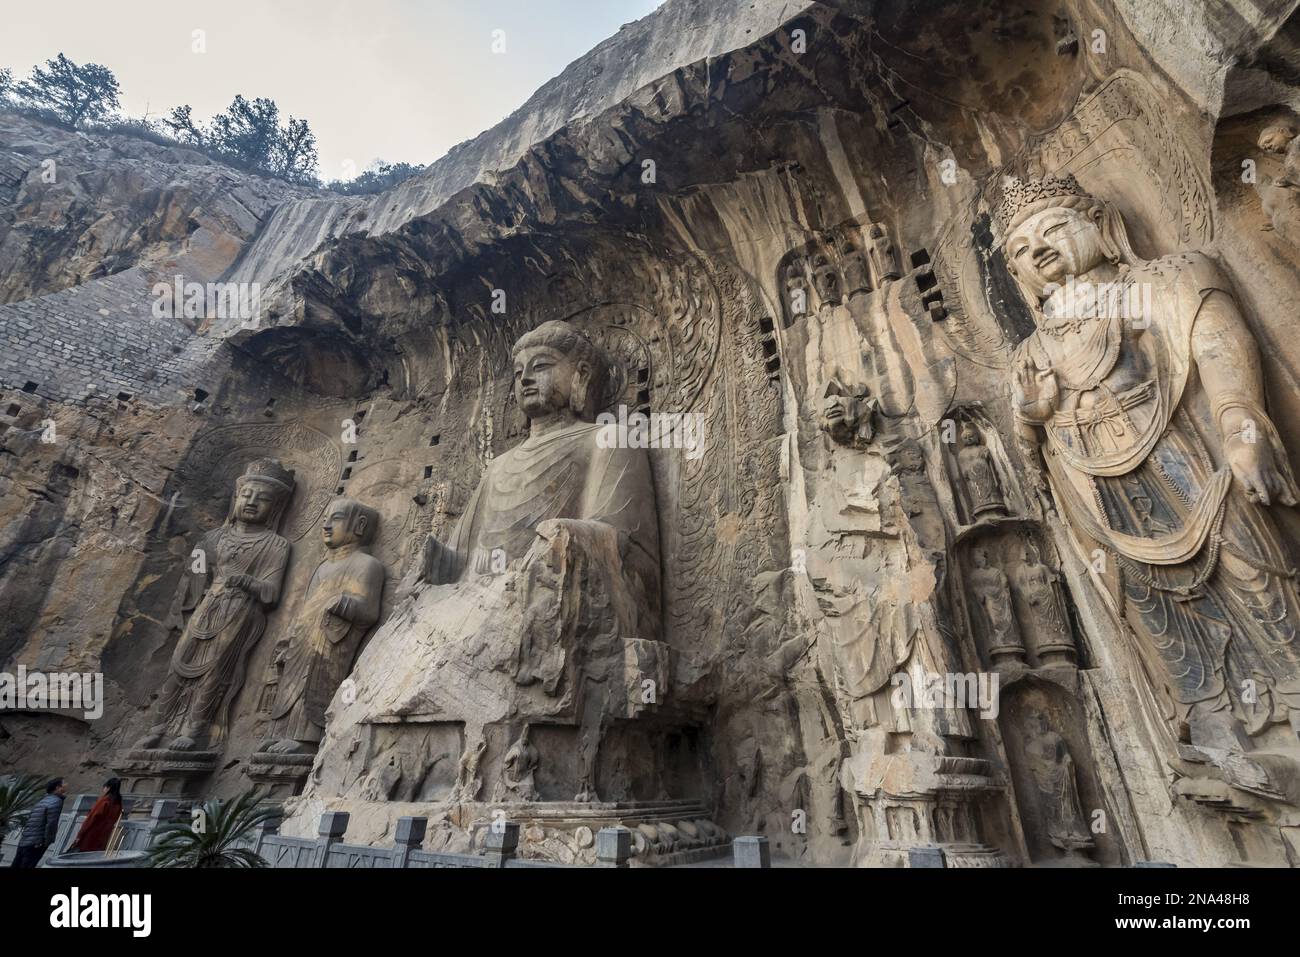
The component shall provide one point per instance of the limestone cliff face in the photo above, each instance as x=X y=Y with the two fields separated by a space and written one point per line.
x=818 y=228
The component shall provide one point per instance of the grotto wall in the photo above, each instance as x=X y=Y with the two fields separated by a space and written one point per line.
x=797 y=241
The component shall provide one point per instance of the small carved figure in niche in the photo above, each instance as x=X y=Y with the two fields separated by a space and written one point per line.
x=1159 y=452
x=1040 y=587
x=848 y=414
x=796 y=290
x=517 y=770
x=827 y=279
x=343 y=601
x=856 y=276
x=468 y=783
x=1281 y=197
x=979 y=474
x=1052 y=769
x=993 y=593
x=883 y=258
x=230 y=591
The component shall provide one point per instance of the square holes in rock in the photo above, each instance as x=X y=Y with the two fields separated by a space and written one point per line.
x=428 y=471
x=30 y=387
x=14 y=409
x=435 y=440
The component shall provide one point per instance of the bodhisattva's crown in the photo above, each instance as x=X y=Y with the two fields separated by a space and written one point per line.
x=269 y=470
x=1021 y=198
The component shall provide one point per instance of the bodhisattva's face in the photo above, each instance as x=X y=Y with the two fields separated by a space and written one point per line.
x=338 y=529
x=1054 y=244
x=543 y=380
x=254 y=501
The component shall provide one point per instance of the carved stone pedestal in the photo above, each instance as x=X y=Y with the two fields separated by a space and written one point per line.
x=663 y=832
x=163 y=771
x=279 y=776
x=915 y=799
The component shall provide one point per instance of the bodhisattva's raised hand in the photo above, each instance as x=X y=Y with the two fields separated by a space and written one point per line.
x=1036 y=392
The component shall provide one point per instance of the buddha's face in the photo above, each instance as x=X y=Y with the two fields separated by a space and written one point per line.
x=254 y=501
x=1054 y=244
x=543 y=380
x=341 y=526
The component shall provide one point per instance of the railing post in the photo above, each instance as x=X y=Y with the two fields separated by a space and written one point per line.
x=613 y=847
x=409 y=837
x=501 y=842
x=164 y=812
x=265 y=829
x=333 y=825
x=751 y=851
x=68 y=821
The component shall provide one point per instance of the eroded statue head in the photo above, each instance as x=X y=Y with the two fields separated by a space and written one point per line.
x=846 y=413
x=348 y=522
x=558 y=370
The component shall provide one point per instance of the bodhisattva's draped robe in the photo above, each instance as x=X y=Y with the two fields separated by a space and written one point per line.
x=1135 y=460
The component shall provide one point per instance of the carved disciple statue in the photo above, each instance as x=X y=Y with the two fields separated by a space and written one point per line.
x=827 y=279
x=544 y=601
x=884 y=261
x=1158 y=450
x=1040 y=588
x=343 y=601
x=856 y=277
x=796 y=291
x=979 y=474
x=229 y=590
x=993 y=592
x=1052 y=769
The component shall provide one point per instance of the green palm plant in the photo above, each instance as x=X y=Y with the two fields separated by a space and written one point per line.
x=214 y=838
x=18 y=795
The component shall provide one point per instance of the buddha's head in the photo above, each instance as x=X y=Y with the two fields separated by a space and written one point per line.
x=262 y=493
x=348 y=522
x=969 y=435
x=558 y=370
x=1053 y=230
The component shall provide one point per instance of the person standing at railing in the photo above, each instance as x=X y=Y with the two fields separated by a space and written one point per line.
x=41 y=826
x=99 y=823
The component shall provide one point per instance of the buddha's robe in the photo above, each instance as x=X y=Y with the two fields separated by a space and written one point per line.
x=1135 y=461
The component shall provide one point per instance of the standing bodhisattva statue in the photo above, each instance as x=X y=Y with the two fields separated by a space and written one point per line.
x=1160 y=455
x=233 y=580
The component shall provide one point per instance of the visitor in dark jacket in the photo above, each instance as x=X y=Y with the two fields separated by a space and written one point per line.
x=99 y=823
x=41 y=826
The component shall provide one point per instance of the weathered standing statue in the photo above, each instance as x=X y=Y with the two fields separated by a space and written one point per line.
x=343 y=601
x=1052 y=769
x=1159 y=453
x=979 y=475
x=229 y=588
x=993 y=593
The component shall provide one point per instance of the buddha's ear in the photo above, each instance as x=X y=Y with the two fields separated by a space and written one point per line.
x=579 y=400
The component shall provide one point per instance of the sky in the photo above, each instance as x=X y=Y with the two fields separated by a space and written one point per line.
x=399 y=80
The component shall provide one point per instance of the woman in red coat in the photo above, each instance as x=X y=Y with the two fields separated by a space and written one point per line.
x=98 y=825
